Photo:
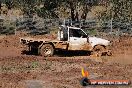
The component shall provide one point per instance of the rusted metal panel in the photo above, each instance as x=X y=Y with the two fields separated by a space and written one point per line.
x=61 y=45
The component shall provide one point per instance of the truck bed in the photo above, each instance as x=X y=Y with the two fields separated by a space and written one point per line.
x=29 y=39
x=57 y=43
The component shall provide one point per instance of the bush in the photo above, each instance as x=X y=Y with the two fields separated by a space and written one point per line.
x=7 y=28
x=91 y=31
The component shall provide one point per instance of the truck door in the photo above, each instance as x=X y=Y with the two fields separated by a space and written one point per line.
x=77 y=39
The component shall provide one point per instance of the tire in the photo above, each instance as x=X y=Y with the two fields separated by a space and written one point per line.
x=33 y=49
x=47 y=50
x=98 y=50
x=109 y=53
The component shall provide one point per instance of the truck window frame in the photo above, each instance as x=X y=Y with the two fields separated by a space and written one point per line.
x=79 y=33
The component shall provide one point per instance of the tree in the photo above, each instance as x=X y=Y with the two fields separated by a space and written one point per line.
x=49 y=8
x=27 y=6
x=0 y=5
x=119 y=10
x=79 y=8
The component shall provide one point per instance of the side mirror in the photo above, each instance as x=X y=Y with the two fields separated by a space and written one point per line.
x=87 y=33
x=87 y=38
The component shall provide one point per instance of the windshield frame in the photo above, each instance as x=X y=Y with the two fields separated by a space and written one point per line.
x=77 y=33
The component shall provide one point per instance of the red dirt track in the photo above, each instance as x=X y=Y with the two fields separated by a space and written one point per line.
x=31 y=71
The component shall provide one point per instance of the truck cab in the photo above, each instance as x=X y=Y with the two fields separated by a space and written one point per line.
x=76 y=37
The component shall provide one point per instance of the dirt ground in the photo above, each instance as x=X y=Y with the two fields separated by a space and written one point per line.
x=31 y=71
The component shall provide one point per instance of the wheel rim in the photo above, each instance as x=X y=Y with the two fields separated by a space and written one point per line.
x=98 y=50
x=47 y=51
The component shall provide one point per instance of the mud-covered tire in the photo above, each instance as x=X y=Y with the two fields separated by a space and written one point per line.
x=98 y=50
x=109 y=53
x=33 y=49
x=47 y=50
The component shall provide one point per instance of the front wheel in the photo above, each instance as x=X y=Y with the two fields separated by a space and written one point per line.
x=47 y=50
x=98 y=50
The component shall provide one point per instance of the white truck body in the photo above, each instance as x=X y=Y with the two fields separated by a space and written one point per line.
x=69 y=38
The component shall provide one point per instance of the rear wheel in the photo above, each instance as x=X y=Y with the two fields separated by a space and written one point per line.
x=47 y=50
x=33 y=49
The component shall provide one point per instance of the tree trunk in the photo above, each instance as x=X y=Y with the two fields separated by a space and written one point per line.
x=86 y=9
x=76 y=17
x=0 y=5
x=72 y=11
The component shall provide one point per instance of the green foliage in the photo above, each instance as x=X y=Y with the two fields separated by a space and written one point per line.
x=119 y=10
x=34 y=64
x=116 y=9
x=91 y=31
x=49 y=7
x=7 y=27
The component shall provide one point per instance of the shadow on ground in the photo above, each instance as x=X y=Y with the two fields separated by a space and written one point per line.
x=61 y=53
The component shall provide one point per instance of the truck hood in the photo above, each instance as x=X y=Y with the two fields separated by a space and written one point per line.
x=98 y=41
